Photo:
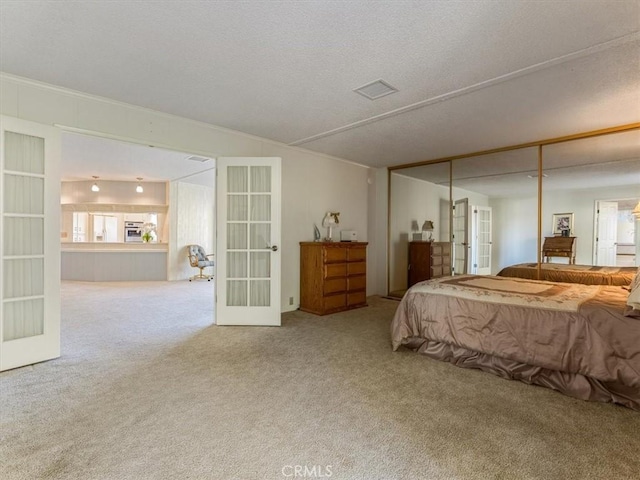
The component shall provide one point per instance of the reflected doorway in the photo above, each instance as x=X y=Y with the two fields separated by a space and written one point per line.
x=616 y=233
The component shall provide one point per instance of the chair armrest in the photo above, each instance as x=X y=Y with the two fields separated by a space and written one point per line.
x=211 y=255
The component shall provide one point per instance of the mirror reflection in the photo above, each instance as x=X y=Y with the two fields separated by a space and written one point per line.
x=485 y=207
x=495 y=211
x=419 y=214
x=590 y=190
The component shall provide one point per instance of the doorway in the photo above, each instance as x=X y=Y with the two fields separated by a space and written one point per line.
x=616 y=233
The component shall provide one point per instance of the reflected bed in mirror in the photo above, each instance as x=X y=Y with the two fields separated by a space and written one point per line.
x=598 y=180
x=584 y=274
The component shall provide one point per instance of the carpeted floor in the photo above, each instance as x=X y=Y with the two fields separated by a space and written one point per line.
x=147 y=388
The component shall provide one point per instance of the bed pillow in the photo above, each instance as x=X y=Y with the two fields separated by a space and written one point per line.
x=636 y=280
x=633 y=301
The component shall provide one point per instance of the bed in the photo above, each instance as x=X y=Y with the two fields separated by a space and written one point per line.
x=585 y=274
x=582 y=340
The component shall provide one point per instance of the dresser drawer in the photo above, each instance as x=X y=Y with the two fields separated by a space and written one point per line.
x=436 y=249
x=333 y=270
x=357 y=283
x=335 y=285
x=357 y=298
x=332 y=302
x=357 y=254
x=333 y=276
x=439 y=271
x=335 y=255
x=436 y=261
x=357 y=268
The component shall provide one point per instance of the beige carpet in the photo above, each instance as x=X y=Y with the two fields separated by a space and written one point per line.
x=148 y=389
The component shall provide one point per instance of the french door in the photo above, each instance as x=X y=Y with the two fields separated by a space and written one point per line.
x=481 y=241
x=29 y=243
x=247 y=241
x=460 y=236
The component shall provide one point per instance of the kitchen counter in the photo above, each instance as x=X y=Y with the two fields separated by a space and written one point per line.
x=113 y=247
x=114 y=262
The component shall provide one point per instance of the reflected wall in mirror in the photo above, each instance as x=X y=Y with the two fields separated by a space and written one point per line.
x=417 y=195
x=495 y=211
x=598 y=180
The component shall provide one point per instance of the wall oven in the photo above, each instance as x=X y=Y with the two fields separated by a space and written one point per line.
x=133 y=231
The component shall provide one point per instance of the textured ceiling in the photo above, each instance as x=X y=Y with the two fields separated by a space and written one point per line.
x=471 y=75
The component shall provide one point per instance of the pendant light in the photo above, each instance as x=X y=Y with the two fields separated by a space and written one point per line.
x=139 y=188
x=95 y=187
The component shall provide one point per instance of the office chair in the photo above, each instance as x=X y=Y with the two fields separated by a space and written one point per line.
x=199 y=259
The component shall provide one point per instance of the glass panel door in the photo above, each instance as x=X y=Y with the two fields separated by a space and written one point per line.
x=29 y=315
x=248 y=269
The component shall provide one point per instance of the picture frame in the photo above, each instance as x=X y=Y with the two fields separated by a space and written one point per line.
x=562 y=224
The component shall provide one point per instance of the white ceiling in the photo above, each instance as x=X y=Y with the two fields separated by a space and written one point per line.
x=85 y=156
x=471 y=75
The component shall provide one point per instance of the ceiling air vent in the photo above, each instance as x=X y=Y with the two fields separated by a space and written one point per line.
x=196 y=158
x=375 y=90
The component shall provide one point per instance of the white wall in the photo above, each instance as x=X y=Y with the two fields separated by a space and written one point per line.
x=311 y=183
x=192 y=210
x=377 y=224
x=515 y=231
x=312 y=186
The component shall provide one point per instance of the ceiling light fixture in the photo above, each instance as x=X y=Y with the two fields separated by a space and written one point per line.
x=139 y=188
x=95 y=187
x=636 y=211
x=544 y=175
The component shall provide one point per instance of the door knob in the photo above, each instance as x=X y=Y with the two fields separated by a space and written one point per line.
x=273 y=247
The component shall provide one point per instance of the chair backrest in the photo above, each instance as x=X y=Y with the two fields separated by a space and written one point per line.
x=197 y=254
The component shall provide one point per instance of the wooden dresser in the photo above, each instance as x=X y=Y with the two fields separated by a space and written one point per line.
x=559 y=247
x=333 y=276
x=428 y=260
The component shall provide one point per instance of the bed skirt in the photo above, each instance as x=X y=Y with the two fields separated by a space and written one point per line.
x=571 y=384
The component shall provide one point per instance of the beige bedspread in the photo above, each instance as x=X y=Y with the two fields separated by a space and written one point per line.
x=570 y=337
x=558 y=272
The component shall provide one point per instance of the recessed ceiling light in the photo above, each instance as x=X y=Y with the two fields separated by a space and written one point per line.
x=375 y=90
x=95 y=187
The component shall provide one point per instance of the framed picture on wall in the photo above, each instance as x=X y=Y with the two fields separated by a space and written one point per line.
x=562 y=224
